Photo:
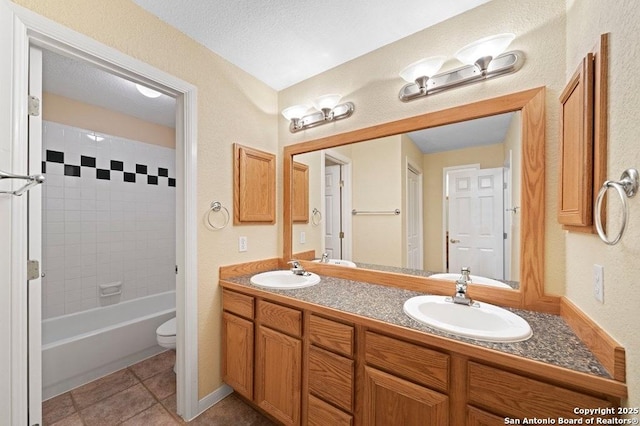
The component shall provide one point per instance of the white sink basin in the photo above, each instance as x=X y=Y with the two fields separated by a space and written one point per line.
x=476 y=279
x=481 y=322
x=340 y=262
x=284 y=280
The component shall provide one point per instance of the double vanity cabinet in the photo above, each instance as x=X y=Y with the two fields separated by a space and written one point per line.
x=311 y=364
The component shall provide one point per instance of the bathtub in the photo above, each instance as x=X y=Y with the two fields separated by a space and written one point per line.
x=81 y=347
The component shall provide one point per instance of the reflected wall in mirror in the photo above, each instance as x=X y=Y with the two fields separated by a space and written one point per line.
x=382 y=189
x=453 y=186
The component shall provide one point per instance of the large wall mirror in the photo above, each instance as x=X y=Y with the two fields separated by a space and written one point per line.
x=432 y=193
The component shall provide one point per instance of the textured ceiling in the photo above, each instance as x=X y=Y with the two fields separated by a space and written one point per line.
x=83 y=82
x=482 y=131
x=280 y=42
x=283 y=42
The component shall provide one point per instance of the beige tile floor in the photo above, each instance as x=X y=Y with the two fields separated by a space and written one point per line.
x=143 y=394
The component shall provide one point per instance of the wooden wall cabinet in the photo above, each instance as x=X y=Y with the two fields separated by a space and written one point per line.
x=300 y=196
x=254 y=186
x=583 y=135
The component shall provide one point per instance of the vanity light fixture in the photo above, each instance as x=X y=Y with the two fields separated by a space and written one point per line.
x=326 y=110
x=483 y=59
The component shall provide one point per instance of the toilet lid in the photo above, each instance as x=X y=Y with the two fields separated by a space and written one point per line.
x=168 y=328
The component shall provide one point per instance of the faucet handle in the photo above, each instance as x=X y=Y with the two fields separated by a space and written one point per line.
x=294 y=263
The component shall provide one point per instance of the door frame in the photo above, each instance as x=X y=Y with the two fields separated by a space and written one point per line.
x=31 y=28
x=345 y=162
x=411 y=167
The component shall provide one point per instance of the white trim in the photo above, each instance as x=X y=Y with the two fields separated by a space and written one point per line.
x=19 y=219
x=33 y=28
x=347 y=242
x=35 y=241
x=445 y=172
x=213 y=398
x=412 y=167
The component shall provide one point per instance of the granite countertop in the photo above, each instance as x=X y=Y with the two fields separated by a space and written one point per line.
x=553 y=342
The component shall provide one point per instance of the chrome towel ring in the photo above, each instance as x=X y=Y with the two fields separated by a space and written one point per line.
x=626 y=187
x=316 y=217
x=216 y=207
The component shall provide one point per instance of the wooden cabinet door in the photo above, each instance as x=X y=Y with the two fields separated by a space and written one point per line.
x=300 y=196
x=477 y=417
x=576 y=148
x=278 y=375
x=391 y=401
x=237 y=355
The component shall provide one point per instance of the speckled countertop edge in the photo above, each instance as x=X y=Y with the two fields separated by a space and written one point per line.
x=553 y=342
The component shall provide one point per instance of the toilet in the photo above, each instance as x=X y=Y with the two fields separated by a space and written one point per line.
x=166 y=334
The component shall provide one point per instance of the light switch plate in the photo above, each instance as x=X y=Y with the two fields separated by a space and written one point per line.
x=598 y=282
x=303 y=237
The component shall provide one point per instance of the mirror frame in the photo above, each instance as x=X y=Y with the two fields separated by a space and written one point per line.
x=531 y=103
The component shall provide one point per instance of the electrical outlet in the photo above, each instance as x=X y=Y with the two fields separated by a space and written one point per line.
x=303 y=237
x=598 y=282
x=242 y=243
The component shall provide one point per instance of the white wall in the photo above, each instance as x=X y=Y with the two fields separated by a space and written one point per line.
x=619 y=315
x=105 y=226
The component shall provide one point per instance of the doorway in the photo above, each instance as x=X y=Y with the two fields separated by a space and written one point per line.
x=475 y=221
x=25 y=30
x=337 y=204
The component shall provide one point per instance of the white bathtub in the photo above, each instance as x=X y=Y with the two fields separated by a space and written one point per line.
x=84 y=346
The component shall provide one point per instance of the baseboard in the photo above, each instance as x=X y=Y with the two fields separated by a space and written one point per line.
x=213 y=398
x=604 y=347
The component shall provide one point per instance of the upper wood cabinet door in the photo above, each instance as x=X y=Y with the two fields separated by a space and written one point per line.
x=576 y=148
x=583 y=139
x=254 y=194
x=300 y=196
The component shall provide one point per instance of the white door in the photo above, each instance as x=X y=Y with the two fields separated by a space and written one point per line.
x=333 y=208
x=476 y=222
x=34 y=229
x=414 y=219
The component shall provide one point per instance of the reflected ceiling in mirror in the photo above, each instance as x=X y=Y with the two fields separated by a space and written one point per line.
x=453 y=186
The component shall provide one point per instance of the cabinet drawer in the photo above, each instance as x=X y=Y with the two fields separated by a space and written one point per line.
x=331 y=377
x=280 y=318
x=322 y=414
x=331 y=335
x=512 y=395
x=239 y=304
x=414 y=362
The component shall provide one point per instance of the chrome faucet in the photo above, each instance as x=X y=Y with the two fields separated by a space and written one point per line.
x=325 y=258
x=297 y=268
x=461 y=288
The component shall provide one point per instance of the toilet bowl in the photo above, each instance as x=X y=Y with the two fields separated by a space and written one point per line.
x=166 y=334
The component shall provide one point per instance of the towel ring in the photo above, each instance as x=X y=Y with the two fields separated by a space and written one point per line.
x=316 y=217
x=626 y=187
x=216 y=207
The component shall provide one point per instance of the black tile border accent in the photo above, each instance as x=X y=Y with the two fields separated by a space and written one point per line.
x=103 y=174
x=73 y=170
x=55 y=156
x=117 y=165
x=87 y=161
x=70 y=170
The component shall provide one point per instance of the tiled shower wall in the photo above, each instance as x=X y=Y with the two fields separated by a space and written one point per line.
x=108 y=216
